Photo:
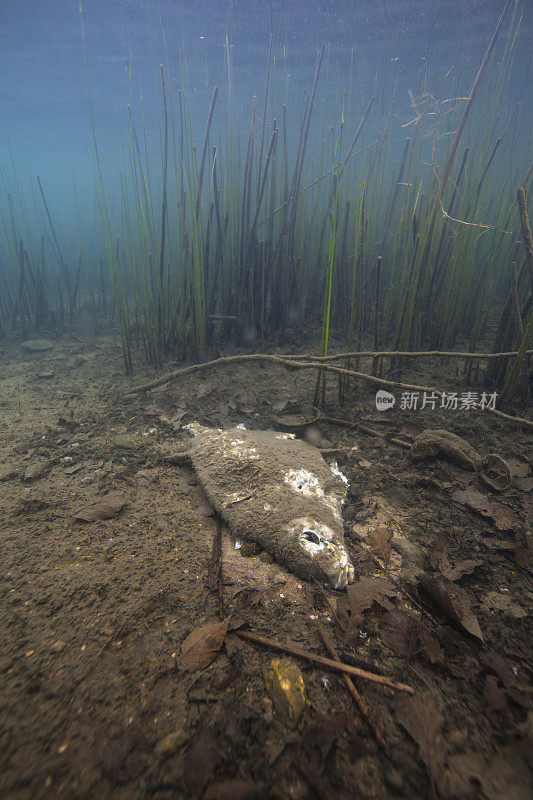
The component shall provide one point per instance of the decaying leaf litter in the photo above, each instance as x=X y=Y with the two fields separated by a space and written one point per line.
x=126 y=676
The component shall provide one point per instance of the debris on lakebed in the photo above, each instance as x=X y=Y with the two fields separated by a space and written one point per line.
x=279 y=492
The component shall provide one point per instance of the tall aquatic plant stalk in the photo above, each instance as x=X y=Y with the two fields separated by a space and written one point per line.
x=106 y=223
x=160 y=331
x=443 y=181
x=329 y=273
x=526 y=334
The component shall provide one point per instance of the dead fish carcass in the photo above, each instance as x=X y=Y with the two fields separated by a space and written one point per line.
x=277 y=491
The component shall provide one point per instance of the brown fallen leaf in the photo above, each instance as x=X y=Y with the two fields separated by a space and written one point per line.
x=359 y=597
x=366 y=591
x=505 y=776
x=463 y=567
x=422 y=720
x=438 y=557
x=104 y=508
x=202 y=644
x=379 y=541
x=348 y=625
x=518 y=468
x=431 y=444
x=453 y=601
x=399 y=632
x=406 y=636
x=499 y=544
x=502 y=517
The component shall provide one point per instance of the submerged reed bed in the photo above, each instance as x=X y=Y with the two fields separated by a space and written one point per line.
x=365 y=218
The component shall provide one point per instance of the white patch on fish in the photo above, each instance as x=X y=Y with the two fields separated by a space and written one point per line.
x=305 y=482
x=336 y=471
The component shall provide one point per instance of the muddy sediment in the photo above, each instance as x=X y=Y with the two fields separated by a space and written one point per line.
x=93 y=615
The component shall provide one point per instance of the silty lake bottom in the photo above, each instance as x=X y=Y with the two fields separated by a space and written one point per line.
x=198 y=202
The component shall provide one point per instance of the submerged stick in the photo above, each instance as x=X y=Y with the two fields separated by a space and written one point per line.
x=293 y=364
x=215 y=578
x=338 y=666
x=403 y=354
x=356 y=696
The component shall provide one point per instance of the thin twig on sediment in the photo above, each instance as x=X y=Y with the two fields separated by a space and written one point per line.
x=329 y=663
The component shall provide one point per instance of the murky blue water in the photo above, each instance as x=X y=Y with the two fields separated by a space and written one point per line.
x=383 y=48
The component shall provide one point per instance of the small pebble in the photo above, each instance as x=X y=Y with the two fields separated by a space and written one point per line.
x=285 y=687
x=36 y=470
x=413 y=555
x=125 y=442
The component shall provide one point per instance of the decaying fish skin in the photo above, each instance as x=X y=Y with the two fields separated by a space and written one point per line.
x=279 y=492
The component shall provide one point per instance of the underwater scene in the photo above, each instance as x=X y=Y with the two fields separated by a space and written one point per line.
x=266 y=430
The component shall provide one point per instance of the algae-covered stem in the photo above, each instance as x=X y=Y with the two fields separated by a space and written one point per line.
x=64 y=268
x=526 y=335
x=163 y=215
x=376 y=363
x=526 y=231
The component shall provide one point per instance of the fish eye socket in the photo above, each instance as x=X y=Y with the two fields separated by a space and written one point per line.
x=311 y=536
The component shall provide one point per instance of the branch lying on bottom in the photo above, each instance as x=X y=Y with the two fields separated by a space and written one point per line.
x=365 y=713
x=291 y=363
x=329 y=663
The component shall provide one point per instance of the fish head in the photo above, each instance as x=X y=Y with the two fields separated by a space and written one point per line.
x=318 y=547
